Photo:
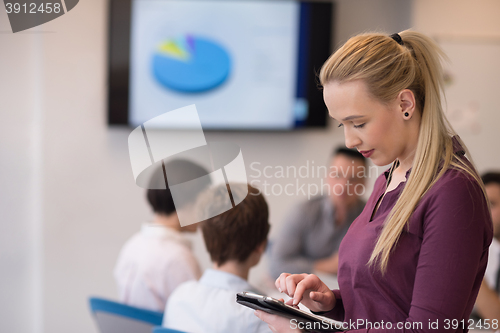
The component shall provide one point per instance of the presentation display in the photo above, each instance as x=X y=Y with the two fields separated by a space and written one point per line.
x=247 y=65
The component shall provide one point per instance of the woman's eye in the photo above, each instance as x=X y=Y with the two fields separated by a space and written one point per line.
x=359 y=126
x=340 y=125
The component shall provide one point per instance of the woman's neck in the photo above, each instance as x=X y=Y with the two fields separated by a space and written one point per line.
x=406 y=162
x=408 y=154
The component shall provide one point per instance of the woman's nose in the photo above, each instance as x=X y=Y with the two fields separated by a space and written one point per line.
x=351 y=139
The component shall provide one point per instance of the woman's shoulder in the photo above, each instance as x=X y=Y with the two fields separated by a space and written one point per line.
x=456 y=202
x=457 y=192
x=457 y=179
x=459 y=175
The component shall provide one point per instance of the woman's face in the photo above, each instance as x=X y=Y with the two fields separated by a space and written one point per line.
x=375 y=129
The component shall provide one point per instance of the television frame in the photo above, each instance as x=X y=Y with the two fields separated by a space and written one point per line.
x=314 y=38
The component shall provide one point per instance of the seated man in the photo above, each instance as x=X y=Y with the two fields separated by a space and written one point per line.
x=488 y=299
x=311 y=236
x=153 y=262
x=235 y=241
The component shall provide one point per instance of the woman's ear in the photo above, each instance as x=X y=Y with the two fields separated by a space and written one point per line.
x=406 y=100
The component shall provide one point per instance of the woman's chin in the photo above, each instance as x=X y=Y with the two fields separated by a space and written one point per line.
x=380 y=161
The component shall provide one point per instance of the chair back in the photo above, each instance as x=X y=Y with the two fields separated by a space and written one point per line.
x=114 y=317
x=165 y=330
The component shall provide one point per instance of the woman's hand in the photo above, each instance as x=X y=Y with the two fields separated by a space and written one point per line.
x=307 y=289
x=276 y=323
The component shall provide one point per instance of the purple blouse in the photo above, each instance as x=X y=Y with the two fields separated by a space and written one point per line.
x=435 y=271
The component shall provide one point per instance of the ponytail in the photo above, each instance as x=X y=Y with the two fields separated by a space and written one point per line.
x=388 y=68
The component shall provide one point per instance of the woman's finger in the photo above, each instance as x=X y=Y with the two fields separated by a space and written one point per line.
x=300 y=288
x=281 y=284
x=291 y=285
x=277 y=282
x=290 y=302
x=287 y=283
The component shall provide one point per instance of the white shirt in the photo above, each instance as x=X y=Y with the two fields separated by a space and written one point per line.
x=493 y=264
x=152 y=264
x=209 y=306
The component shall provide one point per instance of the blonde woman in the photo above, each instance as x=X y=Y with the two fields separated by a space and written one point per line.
x=413 y=261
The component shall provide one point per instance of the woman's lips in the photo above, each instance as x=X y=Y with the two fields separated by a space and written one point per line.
x=366 y=153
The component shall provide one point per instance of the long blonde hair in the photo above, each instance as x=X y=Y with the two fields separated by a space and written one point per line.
x=387 y=68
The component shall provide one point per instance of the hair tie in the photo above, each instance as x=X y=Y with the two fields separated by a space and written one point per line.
x=397 y=38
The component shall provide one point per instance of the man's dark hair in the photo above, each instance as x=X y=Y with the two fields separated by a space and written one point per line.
x=491 y=177
x=177 y=171
x=351 y=153
x=236 y=233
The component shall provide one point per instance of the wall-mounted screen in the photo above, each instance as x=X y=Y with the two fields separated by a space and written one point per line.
x=245 y=64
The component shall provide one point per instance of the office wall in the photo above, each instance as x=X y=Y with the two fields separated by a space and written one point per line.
x=20 y=200
x=469 y=31
x=357 y=16
x=67 y=196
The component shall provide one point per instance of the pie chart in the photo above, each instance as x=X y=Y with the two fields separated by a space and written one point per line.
x=191 y=64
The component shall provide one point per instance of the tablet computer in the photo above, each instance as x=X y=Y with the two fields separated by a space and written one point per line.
x=309 y=322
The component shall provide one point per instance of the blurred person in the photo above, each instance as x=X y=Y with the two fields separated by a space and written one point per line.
x=235 y=241
x=310 y=238
x=488 y=299
x=156 y=260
